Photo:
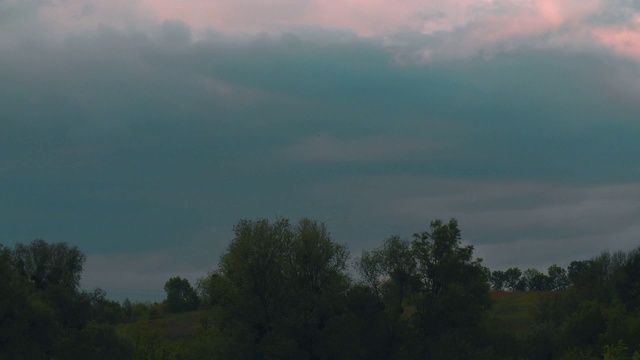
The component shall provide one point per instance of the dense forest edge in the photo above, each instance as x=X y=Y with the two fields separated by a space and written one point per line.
x=284 y=290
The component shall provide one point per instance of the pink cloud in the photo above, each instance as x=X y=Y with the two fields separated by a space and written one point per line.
x=373 y=17
x=364 y=17
x=474 y=24
x=534 y=19
x=624 y=40
x=477 y=24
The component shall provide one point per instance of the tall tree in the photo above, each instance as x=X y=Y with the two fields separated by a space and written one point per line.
x=535 y=280
x=578 y=272
x=513 y=279
x=455 y=290
x=558 y=278
x=390 y=272
x=256 y=268
x=280 y=286
x=44 y=314
x=498 y=280
x=180 y=295
x=28 y=328
x=319 y=282
x=48 y=265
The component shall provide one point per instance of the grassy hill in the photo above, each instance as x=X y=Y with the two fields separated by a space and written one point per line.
x=167 y=336
x=514 y=310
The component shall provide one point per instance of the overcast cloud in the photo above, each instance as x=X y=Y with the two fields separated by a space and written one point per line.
x=142 y=131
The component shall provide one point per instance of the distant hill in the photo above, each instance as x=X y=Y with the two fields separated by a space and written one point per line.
x=514 y=310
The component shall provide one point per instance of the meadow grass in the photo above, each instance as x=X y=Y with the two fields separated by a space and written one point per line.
x=515 y=310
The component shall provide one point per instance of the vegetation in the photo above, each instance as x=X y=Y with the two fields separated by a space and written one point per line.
x=43 y=313
x=284 y=290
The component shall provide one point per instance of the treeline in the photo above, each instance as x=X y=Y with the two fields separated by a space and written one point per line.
x=283 y=290
x=598 y=317
x=43 y=313
x=514 y=279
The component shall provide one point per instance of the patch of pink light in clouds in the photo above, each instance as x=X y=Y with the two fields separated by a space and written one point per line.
x=382 y=17
x=624 y=40
x=481 y=23
x=376 y=17
x=364 y=17
x=534 y=18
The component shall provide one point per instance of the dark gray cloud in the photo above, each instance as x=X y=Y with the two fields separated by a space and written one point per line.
x=146 y=148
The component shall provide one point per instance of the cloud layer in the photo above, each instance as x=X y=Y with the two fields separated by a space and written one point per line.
x=142 y=131
x=415 y=30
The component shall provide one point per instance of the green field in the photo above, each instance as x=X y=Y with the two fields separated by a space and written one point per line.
x=169 y=326
x=176 y=336
x=514 y=310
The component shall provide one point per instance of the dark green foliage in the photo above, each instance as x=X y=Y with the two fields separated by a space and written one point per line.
x=28 y=328
x=282 y=291
x=279 y=287
x=578 y=273
x=44 y=314
x=558 y=278
x=535 y=280
x=598 y=314
x=543 y=342
x=531 y=279
x=498 y=280
x=95 y=341
x=584 y=325
x=513 y=280
x=431 y=293
x=104 y=310
x=49 y=265
x=627 y=282
x=455 y=289
x=180 y=295
x=390 y=275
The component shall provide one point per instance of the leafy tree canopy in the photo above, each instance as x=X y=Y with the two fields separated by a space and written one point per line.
x=180 y=295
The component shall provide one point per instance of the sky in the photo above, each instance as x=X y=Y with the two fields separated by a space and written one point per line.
x=141 y=131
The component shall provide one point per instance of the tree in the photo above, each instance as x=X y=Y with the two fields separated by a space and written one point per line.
x=514 y=279
x=180 y=295
x=442 y=260
x=535 y=280
x=44 y=314
x=48 y=265
x=578 y=272
x=28 y=329
x=558 y=279
x=498 y=280
x=454 y=290
x=104 y=310
x=319 y=283
x=278 y=287
x=628 y=281
x=390 y=272
x=255 y=269
x=316 y=259
x=55 y=270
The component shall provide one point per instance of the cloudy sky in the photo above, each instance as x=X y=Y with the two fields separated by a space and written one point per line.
x=143 y=130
